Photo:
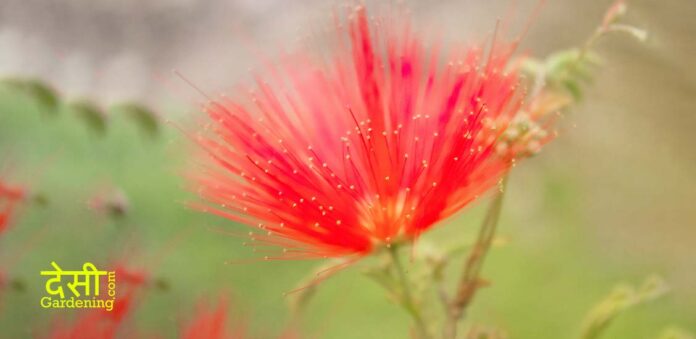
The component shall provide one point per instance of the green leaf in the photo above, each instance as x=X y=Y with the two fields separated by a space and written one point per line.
x=573 y=87
x=145 y=118
x=582 y=71
x=618 y=301
x=90 y=114
x=558 y=63
x=42 y=93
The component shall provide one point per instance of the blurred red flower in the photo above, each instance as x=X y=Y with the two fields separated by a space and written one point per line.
x=103 y=324
x=214 y=322
x=95 y=323
x=10 y=196
x=373 y=146
x=211 y=322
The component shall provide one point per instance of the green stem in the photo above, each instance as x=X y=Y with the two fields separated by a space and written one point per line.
x=470 y=281
x=407 y=300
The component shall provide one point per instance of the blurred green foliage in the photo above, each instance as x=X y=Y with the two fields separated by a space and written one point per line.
x=544 y=280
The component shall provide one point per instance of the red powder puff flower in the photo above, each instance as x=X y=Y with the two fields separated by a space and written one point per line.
x=374 y=145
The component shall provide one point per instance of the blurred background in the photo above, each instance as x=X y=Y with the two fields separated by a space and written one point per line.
x=611 y=200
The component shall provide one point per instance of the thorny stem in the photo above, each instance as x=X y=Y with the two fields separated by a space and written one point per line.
x=406 y=299
x=470 y=282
